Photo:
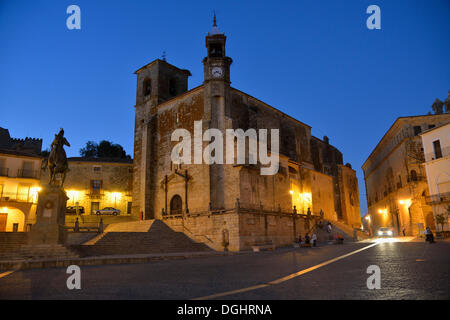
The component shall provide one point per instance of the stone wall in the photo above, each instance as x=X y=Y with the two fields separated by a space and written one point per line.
x=242 y=229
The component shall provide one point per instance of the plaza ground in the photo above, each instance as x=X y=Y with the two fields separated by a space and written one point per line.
x=409 y=270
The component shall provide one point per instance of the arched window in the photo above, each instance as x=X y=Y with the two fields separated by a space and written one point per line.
x=147 y=87
x=176 y=205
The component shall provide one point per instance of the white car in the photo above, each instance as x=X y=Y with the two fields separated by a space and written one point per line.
x=385 y=232
x=108 y=210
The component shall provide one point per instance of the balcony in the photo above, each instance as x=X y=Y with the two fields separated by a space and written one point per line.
x=438 y=198
x=4 y=172
x=18 y=197
x=25 y=173
x=95 y=195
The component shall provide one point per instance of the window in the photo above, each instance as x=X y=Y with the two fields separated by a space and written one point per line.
x=97 y=169
x=129 y=204
x=96 y=186
x=215 y=50
x=437 y=149
x=417 y=130
x=177 y=118
x=431 y=126
x=413 y=175
x=172 y=87
x=399 y=183
x=94 y=207
x=147 y=87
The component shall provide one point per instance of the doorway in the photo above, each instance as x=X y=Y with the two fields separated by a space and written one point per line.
x=3 y=218
x=176 y=205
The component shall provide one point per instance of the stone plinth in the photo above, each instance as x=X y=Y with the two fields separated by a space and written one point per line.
x=50 y=217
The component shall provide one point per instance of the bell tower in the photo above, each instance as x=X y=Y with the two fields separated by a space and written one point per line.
x=217 y=100
x=216 y=63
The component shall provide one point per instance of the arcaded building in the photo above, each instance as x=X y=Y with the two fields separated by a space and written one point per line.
x=230 y=203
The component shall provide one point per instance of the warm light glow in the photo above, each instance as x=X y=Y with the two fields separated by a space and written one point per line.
x=5 y=209
x=368 y=218
x=406 y=202
x=73 y=195
x=116 y=195
x=291 y=192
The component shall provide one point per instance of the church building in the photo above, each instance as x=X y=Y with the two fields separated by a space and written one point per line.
x=230 y=206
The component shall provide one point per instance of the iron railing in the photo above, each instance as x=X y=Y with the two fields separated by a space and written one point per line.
x=25 y=173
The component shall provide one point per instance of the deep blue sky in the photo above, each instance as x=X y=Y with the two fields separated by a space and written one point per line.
x=314 y=60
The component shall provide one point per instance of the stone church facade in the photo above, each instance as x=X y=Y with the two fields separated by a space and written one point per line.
x=230 y=205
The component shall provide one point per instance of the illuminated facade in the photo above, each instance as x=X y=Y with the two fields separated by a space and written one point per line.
x=98 y=183
x=395 y=178
x=19 y=187
x=209 y=200
x=436 y=145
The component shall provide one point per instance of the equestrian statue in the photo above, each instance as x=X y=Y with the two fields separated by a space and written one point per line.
x=57 y=160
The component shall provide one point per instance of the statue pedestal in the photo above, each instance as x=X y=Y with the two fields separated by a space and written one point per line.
x=50 y=217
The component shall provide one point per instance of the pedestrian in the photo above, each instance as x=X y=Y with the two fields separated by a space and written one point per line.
x=100 y=226
x=429 y=235
x=321 y=214
x=300 y=238
x=314 y=239
x=307 y=239
x=77 y=226
x=329 y=227
x=404 y=231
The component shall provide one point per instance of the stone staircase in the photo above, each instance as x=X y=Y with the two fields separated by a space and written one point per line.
x=13 y=246
x=11 y=241
x=337 y=227
x=150 y=236
x=39 y=252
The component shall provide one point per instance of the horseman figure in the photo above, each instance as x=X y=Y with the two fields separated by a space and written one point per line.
x=57 y=160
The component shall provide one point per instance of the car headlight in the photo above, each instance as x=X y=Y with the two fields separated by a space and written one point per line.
x=390 y=233
x=380 y=233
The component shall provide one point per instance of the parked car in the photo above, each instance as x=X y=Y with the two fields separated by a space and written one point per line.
x=385 y=232
x=108 y=210
x=73 y=210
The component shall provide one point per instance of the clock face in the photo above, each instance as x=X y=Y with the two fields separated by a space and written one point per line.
x=216 y=72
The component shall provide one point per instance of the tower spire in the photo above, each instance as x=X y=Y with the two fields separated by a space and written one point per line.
x=214 y=20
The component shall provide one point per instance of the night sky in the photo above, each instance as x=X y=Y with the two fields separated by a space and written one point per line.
x=314 y=60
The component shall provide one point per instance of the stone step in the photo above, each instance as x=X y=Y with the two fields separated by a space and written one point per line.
x=158 y=238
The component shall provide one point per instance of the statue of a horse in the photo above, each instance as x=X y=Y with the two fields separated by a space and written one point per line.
x=57 y=160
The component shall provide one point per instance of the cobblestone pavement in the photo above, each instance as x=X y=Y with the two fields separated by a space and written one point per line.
x=409 y=270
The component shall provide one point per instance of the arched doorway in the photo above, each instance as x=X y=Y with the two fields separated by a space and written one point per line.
x=11 y=220
x=176 y=205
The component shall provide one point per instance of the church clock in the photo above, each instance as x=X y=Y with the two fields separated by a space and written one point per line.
x=217 y=72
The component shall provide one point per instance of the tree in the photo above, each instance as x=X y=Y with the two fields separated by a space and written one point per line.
x=441 y=219
x=90 y=150
x=45 y=153
x=105 y=149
